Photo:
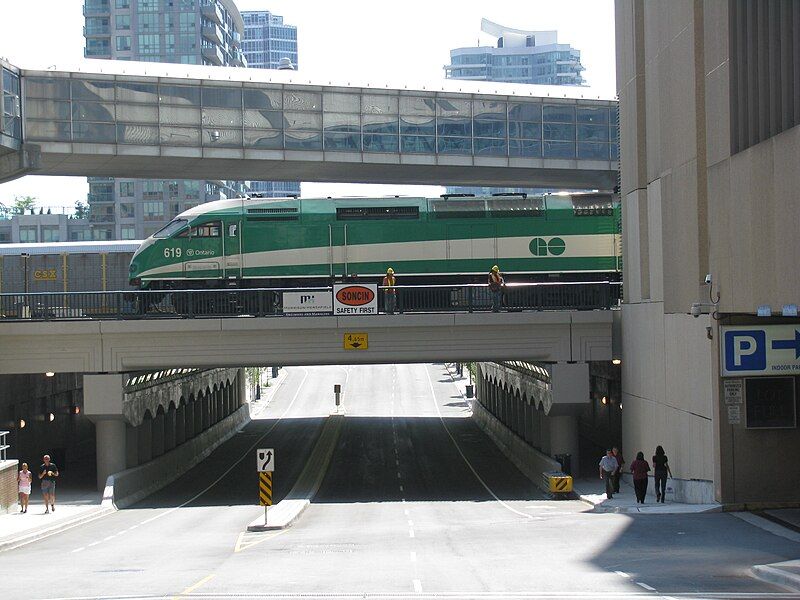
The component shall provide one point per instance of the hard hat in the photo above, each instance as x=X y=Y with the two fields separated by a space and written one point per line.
x=495 y=268
x=390 y=271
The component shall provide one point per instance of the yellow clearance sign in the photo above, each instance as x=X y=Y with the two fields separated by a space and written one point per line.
x=356 y=341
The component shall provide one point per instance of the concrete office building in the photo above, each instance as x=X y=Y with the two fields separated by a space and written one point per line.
x=709 y=111
x=207 y=32
x=531 y=57
x=267 y=42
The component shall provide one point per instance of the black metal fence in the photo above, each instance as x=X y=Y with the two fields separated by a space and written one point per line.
x=268 y=302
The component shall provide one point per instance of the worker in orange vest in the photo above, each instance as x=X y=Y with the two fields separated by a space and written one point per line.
x=389 y=292
x=496 y=285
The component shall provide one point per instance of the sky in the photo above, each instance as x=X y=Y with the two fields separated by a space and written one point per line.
x=409 y=41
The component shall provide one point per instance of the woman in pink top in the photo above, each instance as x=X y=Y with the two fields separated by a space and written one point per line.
x=24 y=480
x=640 y=468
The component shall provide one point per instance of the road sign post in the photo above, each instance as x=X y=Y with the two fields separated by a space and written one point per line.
x=265 y=464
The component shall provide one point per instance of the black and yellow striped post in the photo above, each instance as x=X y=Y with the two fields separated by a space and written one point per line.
x=265 y=492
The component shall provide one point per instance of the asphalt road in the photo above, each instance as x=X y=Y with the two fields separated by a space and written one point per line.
x=416 y=502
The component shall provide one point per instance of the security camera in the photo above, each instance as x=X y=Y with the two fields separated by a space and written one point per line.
x=708 y=279
x=696 y=310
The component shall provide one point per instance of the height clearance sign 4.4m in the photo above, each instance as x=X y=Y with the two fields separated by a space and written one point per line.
x=355 y=299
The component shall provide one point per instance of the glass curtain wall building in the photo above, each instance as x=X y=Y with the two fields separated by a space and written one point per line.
x=202 y=32
x=532 y=57
x=267 y=40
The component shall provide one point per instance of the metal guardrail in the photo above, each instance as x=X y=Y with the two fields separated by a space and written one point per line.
x=268 y=302
x=3 y=446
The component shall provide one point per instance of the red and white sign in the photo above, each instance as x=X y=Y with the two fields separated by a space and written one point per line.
x=355 y=299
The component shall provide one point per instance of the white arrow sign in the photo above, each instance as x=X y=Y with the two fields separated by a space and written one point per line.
x=265 y=460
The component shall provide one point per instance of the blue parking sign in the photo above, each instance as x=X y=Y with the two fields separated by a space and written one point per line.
x=745 y=350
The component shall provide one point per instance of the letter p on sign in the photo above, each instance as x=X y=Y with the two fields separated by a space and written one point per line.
x=746 y=350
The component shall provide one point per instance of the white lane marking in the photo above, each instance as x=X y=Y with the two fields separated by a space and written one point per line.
x=108 y=538
x=397 y=461
x=645 y=586
x=411 y=533
x=402 y=490
x=81 y=549
x=410 y=523
x=417 y=586
x=398 y=475
x=413 y=556
x=92 y=544
x=458 y=448
x=244 y=456
x=621 y=574
x=405 y=511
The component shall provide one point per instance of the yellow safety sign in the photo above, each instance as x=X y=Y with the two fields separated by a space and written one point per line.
x=560 y=484
x=265 y=489
x=356 y=341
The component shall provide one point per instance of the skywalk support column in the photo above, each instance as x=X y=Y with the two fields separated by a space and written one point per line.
x=570 y=389
x=102 y=402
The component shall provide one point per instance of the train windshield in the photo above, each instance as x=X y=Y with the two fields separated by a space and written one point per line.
x=171 y=228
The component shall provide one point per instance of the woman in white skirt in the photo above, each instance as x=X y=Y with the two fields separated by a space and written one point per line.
x=24 y=479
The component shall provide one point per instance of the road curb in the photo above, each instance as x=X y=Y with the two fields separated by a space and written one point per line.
x=35 y=536
x=679 y=508
x=288 y=511
x=774 y=574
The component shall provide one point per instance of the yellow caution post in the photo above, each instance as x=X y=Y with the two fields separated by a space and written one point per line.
x=557 y=482
x=265 y=489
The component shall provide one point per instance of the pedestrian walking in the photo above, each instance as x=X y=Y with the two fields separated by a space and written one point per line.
x=24 y=482
x=389 y=292
x=639 y=470
x=661 y=471
x=608 y=464
x=48 y=472
x=496 y=285
x=618 y=473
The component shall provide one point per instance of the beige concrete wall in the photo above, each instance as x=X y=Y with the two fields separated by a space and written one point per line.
x=8 y=486
x=697 y=210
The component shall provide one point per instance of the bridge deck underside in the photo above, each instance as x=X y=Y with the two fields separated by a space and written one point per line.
x=97 y=160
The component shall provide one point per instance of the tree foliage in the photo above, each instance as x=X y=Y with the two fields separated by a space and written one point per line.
x=23 y=203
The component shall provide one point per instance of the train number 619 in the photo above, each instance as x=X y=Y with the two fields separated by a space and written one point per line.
x=172 y=252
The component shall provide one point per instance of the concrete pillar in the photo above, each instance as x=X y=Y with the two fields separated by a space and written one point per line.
x=240 y=388
x=169 y=429
x=564 y=438
x=180 y=425
x=102 y=402
x=111 y=448
x=190 y=419
x=205 y=411
x=158 y=435
x=131 y=446
x=145 y=439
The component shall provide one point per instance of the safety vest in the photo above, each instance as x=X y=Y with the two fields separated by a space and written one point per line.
x=390 y=283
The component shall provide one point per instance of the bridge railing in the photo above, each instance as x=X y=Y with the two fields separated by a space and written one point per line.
x=268 y=302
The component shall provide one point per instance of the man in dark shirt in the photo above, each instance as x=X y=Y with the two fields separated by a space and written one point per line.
x=48 y=472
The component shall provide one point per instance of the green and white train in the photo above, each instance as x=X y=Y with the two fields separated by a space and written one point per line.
x=286 y=242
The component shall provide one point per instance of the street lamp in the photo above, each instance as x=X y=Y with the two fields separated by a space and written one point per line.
x=25 y=256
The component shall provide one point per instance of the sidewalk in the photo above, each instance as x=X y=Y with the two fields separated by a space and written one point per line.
x=73 y=507
x=593 y=491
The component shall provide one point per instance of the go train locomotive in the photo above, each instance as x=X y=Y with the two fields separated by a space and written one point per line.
x=286 y=242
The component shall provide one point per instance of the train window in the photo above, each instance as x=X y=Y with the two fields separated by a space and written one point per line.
x=508 y=206
x=170 y=228
x=207 y=230
x=368 y=213
x=591 y=205
x=458 y=209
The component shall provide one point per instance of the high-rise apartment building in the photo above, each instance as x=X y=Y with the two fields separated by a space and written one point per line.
x=268 y=43
x=533 y=57
x=202 y=32
x=520 y=57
